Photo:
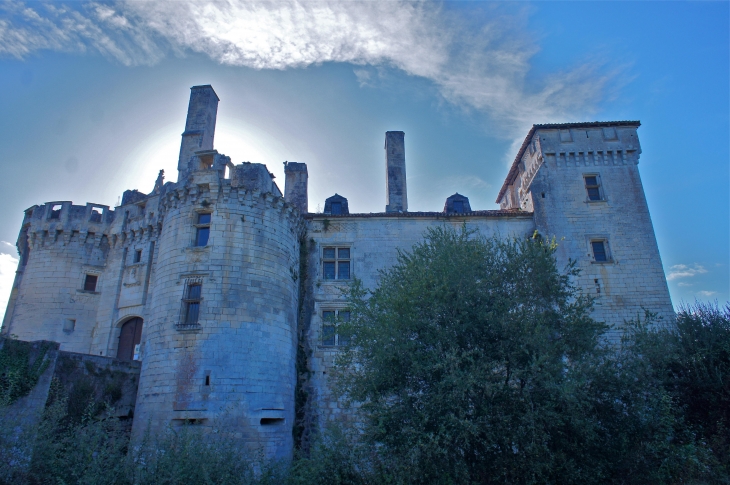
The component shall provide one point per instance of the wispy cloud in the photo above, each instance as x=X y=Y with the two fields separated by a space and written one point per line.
x=481 y=64
x=684 y=271
x=706 y=294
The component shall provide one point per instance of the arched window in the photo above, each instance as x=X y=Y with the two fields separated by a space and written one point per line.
x=129 y=339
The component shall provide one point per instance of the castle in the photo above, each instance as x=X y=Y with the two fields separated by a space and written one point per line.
x=228 y=291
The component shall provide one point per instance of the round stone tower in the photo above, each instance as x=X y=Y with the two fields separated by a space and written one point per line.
x=219 y=344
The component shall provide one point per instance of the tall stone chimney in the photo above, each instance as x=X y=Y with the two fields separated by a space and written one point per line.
x=396 y=195
x=295 y=185
x=199 y=126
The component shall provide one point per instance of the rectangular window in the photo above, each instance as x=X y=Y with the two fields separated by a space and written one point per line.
x=138 y=256
x=599 y=251
x=202 y=231
x=90 y=282
x=336 y=263
x=336 y=208
x=332 y=331
x=593 y=187
x=459 y=206
x=191 y=302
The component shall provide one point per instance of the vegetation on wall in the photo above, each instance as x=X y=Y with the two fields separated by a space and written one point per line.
x=20 y=369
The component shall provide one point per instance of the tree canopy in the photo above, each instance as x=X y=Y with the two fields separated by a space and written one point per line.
x=475 y=360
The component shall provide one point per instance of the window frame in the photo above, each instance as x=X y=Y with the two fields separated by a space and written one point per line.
x=137 y=256
x=336 y=260
x=598 y=186
x=201 y=225
x=189 y=299
x=606 y=249
x=85 y=280
x=334 y=324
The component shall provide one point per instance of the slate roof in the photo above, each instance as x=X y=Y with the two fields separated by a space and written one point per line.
x=484 y=213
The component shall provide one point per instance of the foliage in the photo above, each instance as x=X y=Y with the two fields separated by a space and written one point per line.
x=690 y=359
x=18 y=375
x=476 y=361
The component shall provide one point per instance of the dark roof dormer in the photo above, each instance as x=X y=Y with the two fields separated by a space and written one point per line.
x=457 y=204
x=336 y=205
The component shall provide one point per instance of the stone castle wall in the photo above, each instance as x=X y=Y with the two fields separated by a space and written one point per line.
x=553 y=185
x=236 y=367
x=373 y=243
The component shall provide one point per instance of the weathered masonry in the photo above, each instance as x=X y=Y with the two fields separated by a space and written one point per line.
x=227 y=291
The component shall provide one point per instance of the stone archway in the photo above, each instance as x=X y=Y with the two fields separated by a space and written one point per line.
x=129 y=338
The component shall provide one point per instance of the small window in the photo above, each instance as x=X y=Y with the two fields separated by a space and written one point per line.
x=138 y=256
x=191 y=303
x=55 y=211
x=459 y=206
x=336 y=263
x=202 y=231
x=69 y=325
x=90 y=282
x=332 y=332
x=593 y=187
x=599 y=251
x=336 y=208
x=95 y=215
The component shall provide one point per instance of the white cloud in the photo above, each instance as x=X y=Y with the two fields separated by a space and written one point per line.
x=684 y=271
x=706 y=293
x=8 y=266
x=8 y=248
x=480 y=63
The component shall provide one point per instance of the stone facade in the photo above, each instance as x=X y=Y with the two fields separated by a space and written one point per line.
x=227 y=291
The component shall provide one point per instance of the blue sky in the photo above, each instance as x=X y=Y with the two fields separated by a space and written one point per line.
x=93 y=98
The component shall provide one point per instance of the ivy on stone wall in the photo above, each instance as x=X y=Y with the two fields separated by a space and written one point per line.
x=18 y=375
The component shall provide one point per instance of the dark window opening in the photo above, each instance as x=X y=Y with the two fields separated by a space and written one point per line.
x=593 y=187
x=202 y=232
x=191 y=303
x=95 y=215
x=332 y=332
x=270 y=421
x=55 y=211
x=459 y=206
x=598 y=286
x=130 y=337
x=90 y=282
x=543 y=195
x=336 y=208
x=599 y=251
x=207 y=380
x=336 y=264
x=138 y=256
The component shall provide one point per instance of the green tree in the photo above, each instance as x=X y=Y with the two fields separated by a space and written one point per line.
x=475 y=360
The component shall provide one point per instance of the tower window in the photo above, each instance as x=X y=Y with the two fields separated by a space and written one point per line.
x=90 y=282
x=593 y=187
x=191 y=303
x=600 y=255
x=336 y=208
x=138 y=256
x=332 y=332
x=336 y=263
x=202 y=229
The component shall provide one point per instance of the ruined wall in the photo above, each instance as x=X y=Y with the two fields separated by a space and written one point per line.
x=234 y=367
x=633 y=277
x=373 y=242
